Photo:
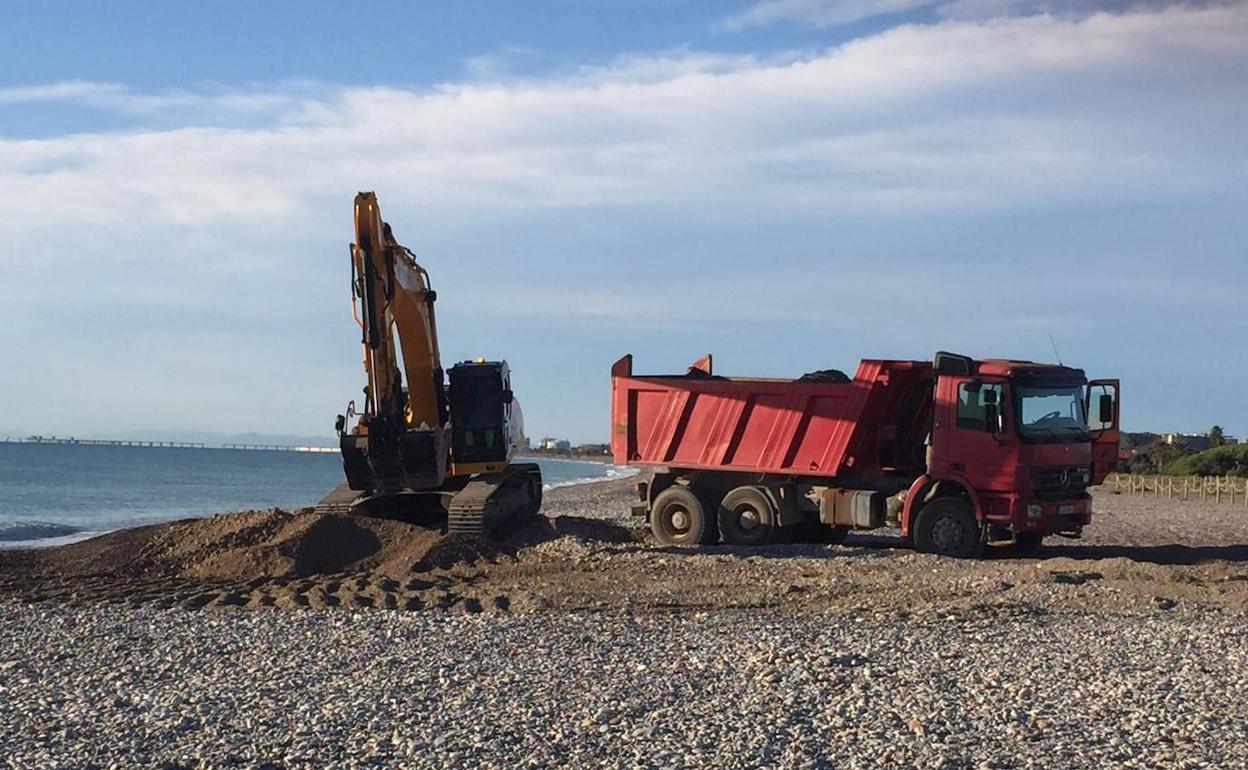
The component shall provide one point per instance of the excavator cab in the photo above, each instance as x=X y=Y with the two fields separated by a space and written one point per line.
x=480 y=407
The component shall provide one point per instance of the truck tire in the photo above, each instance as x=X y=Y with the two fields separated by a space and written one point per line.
x=679 y=517
x=747 y=517
x=947 y=526
x=1028 y=542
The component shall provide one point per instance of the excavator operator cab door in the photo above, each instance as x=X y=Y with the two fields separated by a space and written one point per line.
x=480 y=404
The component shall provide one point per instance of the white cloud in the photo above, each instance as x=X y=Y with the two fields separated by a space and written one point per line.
x=213 y=105
x=818 y=13
x=69 y=90
x=991 y=9
x=835 y=13
x=1013 y=113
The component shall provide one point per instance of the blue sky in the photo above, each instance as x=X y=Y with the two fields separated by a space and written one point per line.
x=791 y=184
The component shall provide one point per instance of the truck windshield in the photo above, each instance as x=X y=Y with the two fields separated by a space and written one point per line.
x=1051 y=413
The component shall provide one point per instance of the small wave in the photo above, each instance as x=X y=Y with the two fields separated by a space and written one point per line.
x=611 y=472
x=34 y=530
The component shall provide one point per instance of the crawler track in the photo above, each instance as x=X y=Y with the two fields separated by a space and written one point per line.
x=339 y=500
x=492 y=499
x=484 y=504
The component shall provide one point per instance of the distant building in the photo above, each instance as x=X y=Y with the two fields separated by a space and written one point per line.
x=1197 y=442
x=554 y=445
x=594 y=449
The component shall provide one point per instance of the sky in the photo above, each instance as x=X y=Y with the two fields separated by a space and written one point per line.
x=790 y=184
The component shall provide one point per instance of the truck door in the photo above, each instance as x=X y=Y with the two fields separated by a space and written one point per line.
x=1101 y=405
x=967 y=436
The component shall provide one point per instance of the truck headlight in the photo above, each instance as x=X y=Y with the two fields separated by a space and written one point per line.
x=1035 y=511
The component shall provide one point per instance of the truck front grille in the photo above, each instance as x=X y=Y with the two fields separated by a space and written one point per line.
x=1062 y=480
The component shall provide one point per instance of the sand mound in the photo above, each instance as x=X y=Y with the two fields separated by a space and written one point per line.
x=279 y=544
x=251 y=545
x=261 y=558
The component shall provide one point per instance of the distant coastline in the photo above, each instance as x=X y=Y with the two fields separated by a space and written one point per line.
x=556 y=454
x=154 y=444
x=576 y=453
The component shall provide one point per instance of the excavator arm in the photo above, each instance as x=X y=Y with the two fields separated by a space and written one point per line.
x=396 y=304
x=401 y=438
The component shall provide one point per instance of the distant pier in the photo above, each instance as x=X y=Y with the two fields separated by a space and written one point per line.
x=280 y=448
x=167 y=444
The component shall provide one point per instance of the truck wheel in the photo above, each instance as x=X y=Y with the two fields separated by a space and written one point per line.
x=746 y=517
x=947 y=526
x=1027 y=542
x=679 y=517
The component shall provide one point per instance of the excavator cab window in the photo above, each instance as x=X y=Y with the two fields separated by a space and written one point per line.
x=478 y=431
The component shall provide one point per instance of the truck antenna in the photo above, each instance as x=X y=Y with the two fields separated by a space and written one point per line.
x=1054 y=344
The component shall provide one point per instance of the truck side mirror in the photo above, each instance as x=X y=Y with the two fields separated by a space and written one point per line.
x=1105 y=409
x=508 y=396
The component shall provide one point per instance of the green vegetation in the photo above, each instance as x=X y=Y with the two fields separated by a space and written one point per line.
x=1148 y=453
x=1152 y=458
x=1229 y=460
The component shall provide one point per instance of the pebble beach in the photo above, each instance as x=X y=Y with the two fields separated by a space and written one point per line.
x=1057 y=673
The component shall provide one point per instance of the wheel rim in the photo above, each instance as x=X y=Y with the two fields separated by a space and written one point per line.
x=679 y=521
x=947 y=534
x=748 y=519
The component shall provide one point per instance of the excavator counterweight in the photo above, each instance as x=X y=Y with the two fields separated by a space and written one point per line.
x=444 y=437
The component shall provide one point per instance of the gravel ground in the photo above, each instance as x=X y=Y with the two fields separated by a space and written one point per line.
x=1126 y=649
x=109 y=686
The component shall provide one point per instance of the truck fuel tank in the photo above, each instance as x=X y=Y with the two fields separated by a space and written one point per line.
x=857 y=508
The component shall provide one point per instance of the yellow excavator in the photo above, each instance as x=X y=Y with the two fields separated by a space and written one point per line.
x=442 y=439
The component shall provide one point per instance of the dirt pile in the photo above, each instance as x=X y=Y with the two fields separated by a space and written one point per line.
x=269 y=544
x=256 y=557
x=277 y=544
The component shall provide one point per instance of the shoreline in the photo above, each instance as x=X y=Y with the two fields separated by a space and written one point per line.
x=611 y=473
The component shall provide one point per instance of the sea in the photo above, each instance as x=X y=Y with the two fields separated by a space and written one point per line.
x=51 y=494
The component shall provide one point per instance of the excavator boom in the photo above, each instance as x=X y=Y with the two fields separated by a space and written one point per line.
x=395 y=294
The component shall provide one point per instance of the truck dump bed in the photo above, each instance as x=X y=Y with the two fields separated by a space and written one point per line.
x=874 y=423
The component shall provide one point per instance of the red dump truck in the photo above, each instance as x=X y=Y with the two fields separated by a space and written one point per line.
x=956 y=453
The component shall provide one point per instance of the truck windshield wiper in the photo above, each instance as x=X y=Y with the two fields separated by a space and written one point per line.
x=1054 y=435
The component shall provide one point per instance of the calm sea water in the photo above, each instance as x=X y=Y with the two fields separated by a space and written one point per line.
x=51 y=493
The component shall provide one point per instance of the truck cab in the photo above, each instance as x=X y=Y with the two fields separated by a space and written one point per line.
x=1022 y=442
